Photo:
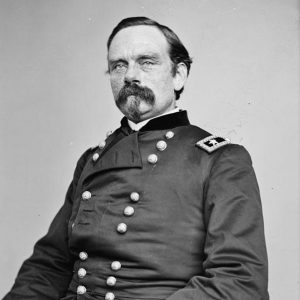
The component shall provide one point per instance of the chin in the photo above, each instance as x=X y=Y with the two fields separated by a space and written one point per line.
x=132 y=115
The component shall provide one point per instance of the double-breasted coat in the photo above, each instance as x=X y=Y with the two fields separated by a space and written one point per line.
x=150 y=215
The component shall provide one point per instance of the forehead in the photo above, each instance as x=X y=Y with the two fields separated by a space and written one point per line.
x=137 y=40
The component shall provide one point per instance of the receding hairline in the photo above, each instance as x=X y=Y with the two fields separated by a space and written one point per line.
x=150 y=52
x=140 y=25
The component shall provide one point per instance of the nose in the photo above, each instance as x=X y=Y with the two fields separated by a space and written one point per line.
x=132 y=74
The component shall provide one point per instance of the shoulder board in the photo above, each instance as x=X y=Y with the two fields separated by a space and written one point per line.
x=212 y=143
x=101 y=145
x=93 y=147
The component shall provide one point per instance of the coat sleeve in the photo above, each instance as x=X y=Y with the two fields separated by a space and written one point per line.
x=235 y=264
x=47 y=273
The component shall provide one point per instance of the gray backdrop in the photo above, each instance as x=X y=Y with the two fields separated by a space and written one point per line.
x=56 y=102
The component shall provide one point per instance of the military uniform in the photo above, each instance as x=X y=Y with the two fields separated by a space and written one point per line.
x=167 y=212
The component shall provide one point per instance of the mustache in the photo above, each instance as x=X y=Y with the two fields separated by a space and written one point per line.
x=140 y=92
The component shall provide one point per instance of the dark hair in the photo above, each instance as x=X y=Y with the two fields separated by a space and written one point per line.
x=178 y=53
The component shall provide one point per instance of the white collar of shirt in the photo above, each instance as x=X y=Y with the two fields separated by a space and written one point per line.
x=138 y=126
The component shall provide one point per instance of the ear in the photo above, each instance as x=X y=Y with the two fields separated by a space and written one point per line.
x=180 y=76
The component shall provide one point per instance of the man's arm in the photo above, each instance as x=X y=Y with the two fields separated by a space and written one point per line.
x=235 y=265
x=47 y=273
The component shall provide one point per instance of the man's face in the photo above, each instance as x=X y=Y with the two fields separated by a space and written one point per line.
x=141 y=72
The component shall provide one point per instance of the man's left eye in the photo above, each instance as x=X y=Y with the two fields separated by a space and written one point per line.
x=147 y=63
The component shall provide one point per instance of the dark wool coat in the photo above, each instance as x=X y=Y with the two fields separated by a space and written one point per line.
x=150 y=215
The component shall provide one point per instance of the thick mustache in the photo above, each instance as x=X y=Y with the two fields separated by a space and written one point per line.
x=134 y=89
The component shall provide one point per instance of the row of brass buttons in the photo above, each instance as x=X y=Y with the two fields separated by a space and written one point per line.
x=121 y=227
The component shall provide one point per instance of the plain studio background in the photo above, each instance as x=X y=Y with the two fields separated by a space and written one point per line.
x=56 y=102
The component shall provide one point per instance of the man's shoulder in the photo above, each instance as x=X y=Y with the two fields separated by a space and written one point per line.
x=84 y=158
x=212 y=144
x=204 y=140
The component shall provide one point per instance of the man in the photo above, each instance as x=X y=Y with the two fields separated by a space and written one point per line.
x=159 y=210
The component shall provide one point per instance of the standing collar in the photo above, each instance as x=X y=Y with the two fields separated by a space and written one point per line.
x=138 y=126
x=163 y=122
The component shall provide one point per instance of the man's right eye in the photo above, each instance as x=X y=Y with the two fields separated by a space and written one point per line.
x=119 y=67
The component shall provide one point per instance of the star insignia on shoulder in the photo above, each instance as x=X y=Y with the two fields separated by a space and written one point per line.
x=212 y=143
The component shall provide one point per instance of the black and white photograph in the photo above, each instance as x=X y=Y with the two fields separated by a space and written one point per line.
x=149 y=150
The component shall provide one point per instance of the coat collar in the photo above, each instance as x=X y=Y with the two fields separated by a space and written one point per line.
x=161 y=123
x=120 y=153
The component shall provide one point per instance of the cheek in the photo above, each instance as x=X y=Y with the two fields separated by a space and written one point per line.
x=116 y=84
x=163 y=80
x=163 y=86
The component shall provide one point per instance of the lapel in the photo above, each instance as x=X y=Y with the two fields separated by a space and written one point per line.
x=124 y=153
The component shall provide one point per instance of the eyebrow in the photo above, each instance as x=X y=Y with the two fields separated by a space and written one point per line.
x=148 y=56
x=153 y=56
x=113 y=61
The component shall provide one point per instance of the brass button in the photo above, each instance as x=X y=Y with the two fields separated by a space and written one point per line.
x=81 y=290
x=122 y=228
x=115 y=265
x=161 y=145
x=86 y=195
x=152 y=159
x=134 y=196
x=81 y=272
x=169 y=135
x=128 y=211
x=83 y=255
x=95 y=156
x=102 y=144
x=109 y=296
x=111 y=281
